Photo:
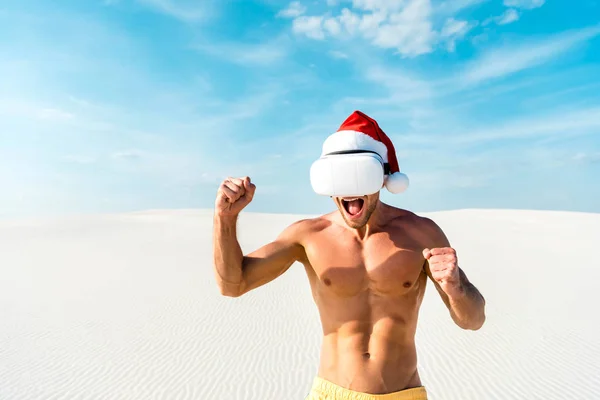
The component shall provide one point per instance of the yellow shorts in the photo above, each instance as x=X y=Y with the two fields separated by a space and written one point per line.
x=325 y=390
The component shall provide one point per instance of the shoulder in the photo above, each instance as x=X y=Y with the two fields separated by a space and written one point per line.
x=432 y=233
x=302 y=228
x=425 y=230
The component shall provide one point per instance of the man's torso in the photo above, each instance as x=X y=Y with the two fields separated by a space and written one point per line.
x=368 y=293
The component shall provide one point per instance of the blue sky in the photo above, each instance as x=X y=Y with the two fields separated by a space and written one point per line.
x=121 y=105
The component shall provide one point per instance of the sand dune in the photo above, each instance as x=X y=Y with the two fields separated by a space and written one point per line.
x=126 y=307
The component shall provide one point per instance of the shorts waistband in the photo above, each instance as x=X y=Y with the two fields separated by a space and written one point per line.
x=333 y=391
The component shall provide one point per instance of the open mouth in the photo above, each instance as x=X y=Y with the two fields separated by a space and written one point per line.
x=353 y=206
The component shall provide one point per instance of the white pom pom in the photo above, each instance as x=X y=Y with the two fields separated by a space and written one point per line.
x=396 y=182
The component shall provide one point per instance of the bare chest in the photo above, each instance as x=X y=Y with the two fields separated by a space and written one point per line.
x=382 y=264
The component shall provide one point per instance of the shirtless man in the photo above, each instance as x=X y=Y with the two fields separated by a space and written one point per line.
x=368 y=264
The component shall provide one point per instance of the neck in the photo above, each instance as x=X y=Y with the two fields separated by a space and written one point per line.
x=374 y=224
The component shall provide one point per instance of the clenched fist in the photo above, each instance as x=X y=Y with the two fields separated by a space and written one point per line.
x=233 y=195
x=443 y=265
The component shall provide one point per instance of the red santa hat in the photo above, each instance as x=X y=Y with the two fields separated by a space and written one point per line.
x=360 y=132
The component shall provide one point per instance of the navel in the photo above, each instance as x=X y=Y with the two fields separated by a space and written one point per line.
x=366 y=356
x=407 y=284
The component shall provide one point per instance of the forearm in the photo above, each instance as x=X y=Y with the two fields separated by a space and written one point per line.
x=228 y=256
x=467 y=306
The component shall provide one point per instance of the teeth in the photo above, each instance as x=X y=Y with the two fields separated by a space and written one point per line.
x=356 y=198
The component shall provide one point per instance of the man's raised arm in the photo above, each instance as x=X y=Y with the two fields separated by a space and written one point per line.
x=464 y=301
x=235 y=273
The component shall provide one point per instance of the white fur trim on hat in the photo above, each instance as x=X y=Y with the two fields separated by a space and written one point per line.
x=353 y=140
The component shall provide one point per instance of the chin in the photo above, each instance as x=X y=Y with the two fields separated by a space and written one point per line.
x=359 y=219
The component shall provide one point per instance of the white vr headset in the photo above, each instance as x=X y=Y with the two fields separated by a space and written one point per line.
x=348 y=173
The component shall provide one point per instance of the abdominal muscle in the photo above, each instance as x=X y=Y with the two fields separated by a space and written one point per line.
x=372 y=351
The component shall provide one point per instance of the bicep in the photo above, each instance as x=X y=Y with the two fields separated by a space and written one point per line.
x=270 y=261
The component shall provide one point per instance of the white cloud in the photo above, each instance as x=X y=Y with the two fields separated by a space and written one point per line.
x=258 y=55
x=312 y=27
x=16 y=107
x=185 y=10
x=509 y=16
x=402 y=85
x=129 y=155
x=454 y=30
x=578 y=122
x=411 y=37
x=294 y=10
x=507 y=60
x=332 y=26
x=350 y=21
x=369 y=24
x=407 y=28
x=587 y=158
x=247 y=54
x=379 y=5
x=245 y=108
x=404 y=25
x=453 y=7
x=526 y=4
x=454 y=27
x=54 y=114
x=163 y=166
x=410 y=30
x=338 y=54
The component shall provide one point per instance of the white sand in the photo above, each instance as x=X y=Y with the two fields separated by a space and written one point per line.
x=126 y=307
